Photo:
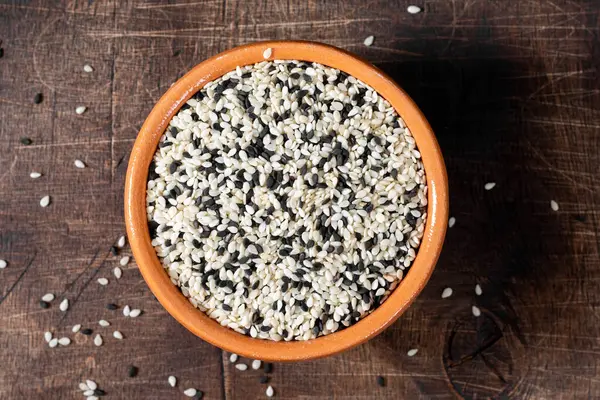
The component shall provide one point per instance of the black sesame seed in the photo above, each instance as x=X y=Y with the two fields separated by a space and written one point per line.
x=26 y=141
x=112 y=306
x=268 y=368
x=44 y=304
x=99 y=392
x=264 y=379
x=227 y=307
x=132 y=371
x=38 y=98
x=381 y=381
x=86 y=331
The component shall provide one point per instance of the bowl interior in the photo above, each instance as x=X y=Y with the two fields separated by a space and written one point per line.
x=195 y=320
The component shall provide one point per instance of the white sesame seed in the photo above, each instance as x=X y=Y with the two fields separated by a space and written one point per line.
x=267 y=53
x=64 y=341
x=256 y=364
x=489 y=185
x=446 y=293
x=413 y=9
x=118 y=335
x=172 y=381
x=98 y=340
x=83 y=387
x=64 y=305
x=80 y=110
x=126 y=311
x=79 y=164
x=48 y=297
x=88 y=68
x=117 y=272
x=191 y=392
x=45 y=201
x=88 y=393
x=124 y=261
x=47 y=336
x=91 y=398
x=135 y=312
x=241 y=367
x=369 y=40
x=451 y=222
x=269 y=392
x=35 y=175
x=103 y=322
x=553 y=205
x=76 y=328
x=478 y=290
x=476 y=311
x=121 y=241
x=103 y=281
x=91 y=384
x=412 y=352
x=53 y=343
x=233 y=357
x=3 y=264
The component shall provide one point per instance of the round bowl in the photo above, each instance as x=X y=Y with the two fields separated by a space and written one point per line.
x=208 y=329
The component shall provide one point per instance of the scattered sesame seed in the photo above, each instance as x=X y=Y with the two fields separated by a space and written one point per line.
x=446 y=293
x=191 y=392
x=268 y=368
x=104 y=323
x=132 y=371
x=124 y=261
x=48 y=297
x=44 y=304
x=64 y=341
x=117 y=272
x=38 y=98
x=26 y=141
x=553 y=205
x=267 y=53
x=3 y=264
x=64 y=305
x=87 y=331
x=369 y=40
x=233 y=357
x=121 y=241
x=79 y=164
x=91 y=398
x=91 y=384
x=53 y=343
x=489 y=185
x=270 y=392
x=80 y=110
x=47 y=336
x=35 y=175
x=88 y=68
x=117 y=335
x=478 y=290
x=412 y=352
x=381 y=381
x=126 y=311
x=263 y=379
x=241 y=367
x=256 y=364
x=112 y=306
x=476 y=311
x=76 y=328
x=88 y=393
x=135 y=312
x=83 y=387
x=98 y=340
x=172 y=381
x=413 y=9
x=45 y=201
x=451 y=222
x=103 y=281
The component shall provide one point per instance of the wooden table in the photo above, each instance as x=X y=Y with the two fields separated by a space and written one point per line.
x=512 y=89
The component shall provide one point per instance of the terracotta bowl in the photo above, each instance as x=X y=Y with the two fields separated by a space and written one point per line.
x=206 y=328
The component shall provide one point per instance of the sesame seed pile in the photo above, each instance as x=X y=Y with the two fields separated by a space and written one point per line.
x=286 y=199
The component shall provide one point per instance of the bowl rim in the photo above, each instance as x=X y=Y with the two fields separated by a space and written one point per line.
x=178 y=306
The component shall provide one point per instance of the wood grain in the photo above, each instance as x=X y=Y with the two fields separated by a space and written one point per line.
x=512 y=90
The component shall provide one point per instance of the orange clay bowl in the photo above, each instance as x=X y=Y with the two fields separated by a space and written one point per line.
x=208 y=329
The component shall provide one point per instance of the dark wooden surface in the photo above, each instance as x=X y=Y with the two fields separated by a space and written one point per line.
x=512 y=89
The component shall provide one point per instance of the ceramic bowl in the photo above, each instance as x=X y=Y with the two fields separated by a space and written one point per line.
x=196 y=321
